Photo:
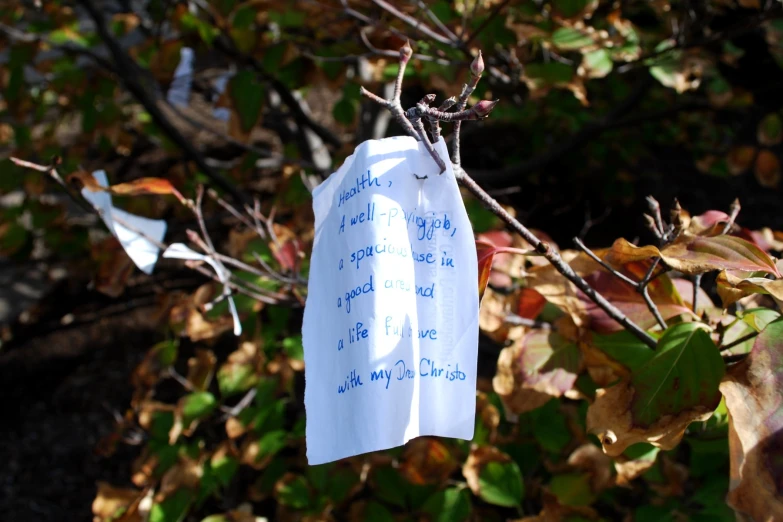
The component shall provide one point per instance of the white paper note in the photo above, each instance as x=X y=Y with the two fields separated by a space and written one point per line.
x=142 y=251
x=391 y=320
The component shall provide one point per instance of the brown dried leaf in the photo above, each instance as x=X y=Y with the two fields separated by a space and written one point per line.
x=591 y=459
x=116 y=504
x=427 y=461
x=698 y=254
x=752 y=390
x=767 y=169
x=114 y=266
x=611 y=419
x=201 y=368
x=733 y=286
x=740 y=159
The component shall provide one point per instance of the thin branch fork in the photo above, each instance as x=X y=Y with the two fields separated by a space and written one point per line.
x=642 y=287
x=492 y=204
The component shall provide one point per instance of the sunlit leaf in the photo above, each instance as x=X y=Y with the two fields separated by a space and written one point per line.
x=448 y=505
x=753 y=397
x=569 y=39
x=697 y=254
x=501 y=484
x=676 y=386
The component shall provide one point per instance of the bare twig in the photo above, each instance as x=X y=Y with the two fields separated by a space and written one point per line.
x=731 y=359
x=641 y=287
x=453 y=37
x=516 y=320
x=495 y=11
x=696 y=286
x=734 y=210
x=655 y=210
x=738 y=341
x=413 y=22
x=130 y=74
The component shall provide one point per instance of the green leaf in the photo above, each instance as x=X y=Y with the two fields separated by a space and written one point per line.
x=500 y=483
x=684 y=373
x=550 y=73
x=549 y=426
x=572 y=489
x=236 y=378
x=625 y=348
x=166 y=352
x=224 y=469
x=569 y=39
x=597 y=64
x=344 y=111
x=449 y=505
x=271 y=443
x=377 y=513
x=247 y=95
x=390 y=486
x=197 y=405
x=340 y=484
x=570 y=8
x=295 y=494
x=173 y=508
x=293 y=347
x=759 y=318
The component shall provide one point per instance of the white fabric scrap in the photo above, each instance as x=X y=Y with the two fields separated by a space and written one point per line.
x=139 y=246
x=180 y=251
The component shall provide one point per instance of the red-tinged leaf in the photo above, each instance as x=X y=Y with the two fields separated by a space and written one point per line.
x=145 y=186
x=541 y=366
x=502 y=265
x=685 y=289
x=630 y=302
x=132 y=188
x=549 y=363
x=531 y=303
x=695 y=255
x=486 y=252
x=287 y=254
x=485 y=256
x=753 y=399
x=765 y=238
x=710 y=223
x=427 y=461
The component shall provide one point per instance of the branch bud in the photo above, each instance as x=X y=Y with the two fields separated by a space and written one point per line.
x=428 y=99
x=406 y=52
x=448 y=103
x=477 y=66
x=484 y=107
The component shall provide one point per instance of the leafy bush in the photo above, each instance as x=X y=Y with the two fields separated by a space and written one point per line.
x=629 y=382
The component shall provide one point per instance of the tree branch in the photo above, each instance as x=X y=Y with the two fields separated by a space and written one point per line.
x=130 y=73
